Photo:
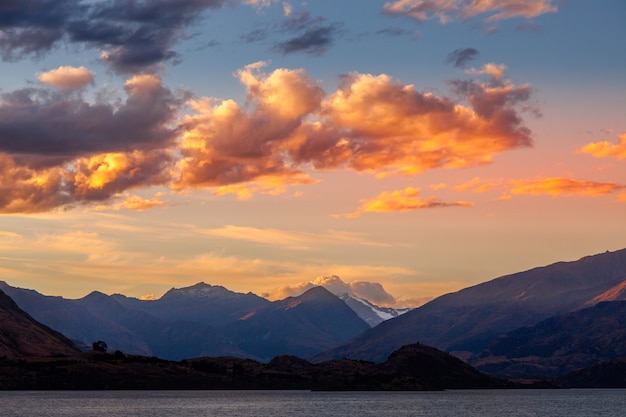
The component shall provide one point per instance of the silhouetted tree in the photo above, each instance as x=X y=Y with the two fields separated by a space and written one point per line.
x=99 y=346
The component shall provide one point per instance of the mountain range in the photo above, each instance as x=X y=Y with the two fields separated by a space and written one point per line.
x=201 y=320
x=467 y=321
x=543 y=322
x=36 y=357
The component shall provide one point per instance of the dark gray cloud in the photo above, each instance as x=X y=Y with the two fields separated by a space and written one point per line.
x=256 y=35
x=460 y=57
x=314 y=41
x=133 y=34
x=306 y=33
x=392 y=31
x=41 y=124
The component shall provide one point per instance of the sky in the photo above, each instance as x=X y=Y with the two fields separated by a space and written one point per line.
x=403 y=148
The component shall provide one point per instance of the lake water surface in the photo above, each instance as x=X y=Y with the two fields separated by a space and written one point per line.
x=483 y=403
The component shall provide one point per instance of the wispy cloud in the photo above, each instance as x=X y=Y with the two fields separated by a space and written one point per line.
x=289 y=239
x=605 y=149
x=313 y=41
x=460 y=57
x=304 y=33
x=133 y=202
x=447 y=11
x=557 y=186
x=408 y=199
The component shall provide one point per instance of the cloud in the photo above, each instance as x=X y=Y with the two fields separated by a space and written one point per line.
x=91 y=245
x=554 y=186
x=26 y=190
x=480 y=185
x=287 y=9
x=400 y=201
x=132 y=36
x=375 y=123
x=67 y=78
x=371 y=123
x=133 y=202
x=224 y=144
x=289 y=239
x=495 y=71
x=306 y=33
x=447 y=11
x=258 y=3
x=460 y=57
x=58 y=150
x=606 y=149
x=314 y=41
x=557 y=186
x=393 y=31
x=372 y=291
x=49 y=124
x=99 y=177
x=313 y=35
x=85 y=180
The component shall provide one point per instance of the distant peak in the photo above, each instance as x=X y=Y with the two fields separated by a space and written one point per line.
x=317 y=293
x=200 y=290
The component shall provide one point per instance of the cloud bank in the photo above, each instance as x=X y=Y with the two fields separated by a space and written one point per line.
x=132 y=35
x=372 y=291
x=58 y=149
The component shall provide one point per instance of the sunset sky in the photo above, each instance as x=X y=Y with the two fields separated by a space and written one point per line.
x=426 y=145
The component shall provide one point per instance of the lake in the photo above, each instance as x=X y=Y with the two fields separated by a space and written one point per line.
x=462 y=403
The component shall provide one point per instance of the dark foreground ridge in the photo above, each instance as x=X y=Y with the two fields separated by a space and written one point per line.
x=413 y=367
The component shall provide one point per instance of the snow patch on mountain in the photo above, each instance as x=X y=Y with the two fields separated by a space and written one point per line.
x=372 y=314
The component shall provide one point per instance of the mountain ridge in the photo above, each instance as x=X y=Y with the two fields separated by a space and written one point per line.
x=468 y=320
x=22 y=336
x=201 y=320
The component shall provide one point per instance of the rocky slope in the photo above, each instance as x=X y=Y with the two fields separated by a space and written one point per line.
x=23 y=336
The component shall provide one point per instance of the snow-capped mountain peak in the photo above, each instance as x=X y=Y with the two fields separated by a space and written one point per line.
x=370 y=313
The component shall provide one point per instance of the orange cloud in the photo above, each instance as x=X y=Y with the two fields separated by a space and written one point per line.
x=224 y=144
x=258 y=3
x=376 y=124
x=134 y=202
x=67 y=78
x=606 y=149
x=290 y=239
x=287 y=126
x=449 y=10
x=495 y=71
x=102 y=176
x=402 y=200
x=563 y=186
x=265 y=184
x=479 y=185
x=26 y=190
x=96 y=178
